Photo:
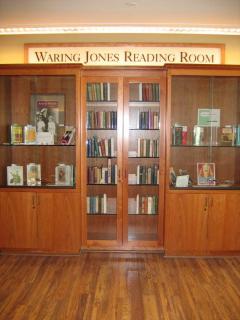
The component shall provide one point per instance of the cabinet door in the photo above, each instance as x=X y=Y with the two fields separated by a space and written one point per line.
x=143 y=162
x=186 y=224
x=58 y=217
x=18 y=220
x=224 y=223
x=101 y=183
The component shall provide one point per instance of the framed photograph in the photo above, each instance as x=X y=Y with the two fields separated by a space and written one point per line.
x=64 y=175
x=33 y=174
x=47 y=112
x=14 y=175
x=206 y=174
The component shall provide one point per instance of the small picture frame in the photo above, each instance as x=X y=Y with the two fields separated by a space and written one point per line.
x=14 y=175
x=68 y=136
x=64 y=175
x=206 y=174
x=33 y=174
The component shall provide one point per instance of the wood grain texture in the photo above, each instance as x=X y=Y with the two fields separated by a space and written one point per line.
x=119 y=286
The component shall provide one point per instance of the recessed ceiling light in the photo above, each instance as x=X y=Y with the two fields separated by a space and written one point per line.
x=131 y=4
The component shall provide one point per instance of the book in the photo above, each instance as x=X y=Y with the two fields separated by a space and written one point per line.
x=33 y=174
x=16 y=134
x=68 y=135
x=64 y=175
x=198 y=136
x=227 y=136
x=30 y=135
x=14 y=175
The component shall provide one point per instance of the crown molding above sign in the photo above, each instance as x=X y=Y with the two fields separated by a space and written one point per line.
x=124 y=54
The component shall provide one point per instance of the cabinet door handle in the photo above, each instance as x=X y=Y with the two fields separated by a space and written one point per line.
x=205 y=204
x=33 y=201
x=211 y=202
x=119 y=176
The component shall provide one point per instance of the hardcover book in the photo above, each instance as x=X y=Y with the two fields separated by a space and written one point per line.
x=16 y=134
x=33 y=174
x=14 y=175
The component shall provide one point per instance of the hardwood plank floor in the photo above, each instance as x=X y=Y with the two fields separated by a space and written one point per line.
x=121 y=286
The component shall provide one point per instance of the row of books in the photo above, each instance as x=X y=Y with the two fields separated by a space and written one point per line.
x=228 y=135
x=28 y=135
x=149 y=92
x=64 y=175
x=147 y=147
x=148 y=175
x=98 y=91
x=149 y=120
x=102 y=120
x=102 y=175
x=97 y=204
x=97 y=147
x=146 y=204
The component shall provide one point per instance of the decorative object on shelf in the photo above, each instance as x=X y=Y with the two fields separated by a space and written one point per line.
x=16 y=134
x=68 y=136
x=15 y=175
x=228 y=135
x=33 y=174
x=172 y=176
x=45 y=138
x=206 y=173
x=47 y=112
x=64 y=174
x=30 y=136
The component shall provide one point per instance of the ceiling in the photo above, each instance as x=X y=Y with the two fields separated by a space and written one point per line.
x=147 y=13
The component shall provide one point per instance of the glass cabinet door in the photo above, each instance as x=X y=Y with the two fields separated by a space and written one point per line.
x=142 y=160
x=36 y=112
x=205 y=132
x=102 y=152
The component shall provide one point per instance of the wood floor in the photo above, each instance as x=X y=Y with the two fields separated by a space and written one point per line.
x=119 y=286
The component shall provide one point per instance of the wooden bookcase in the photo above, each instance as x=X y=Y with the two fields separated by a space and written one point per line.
x=123 y=170
x=202 y=217
x=39 y=216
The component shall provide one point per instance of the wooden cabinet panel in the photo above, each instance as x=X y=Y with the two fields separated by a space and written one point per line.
x=186 y=223
x=224 y=223
x=202 y=224
x=18 y=220
x=58 y=222
x=40 y=221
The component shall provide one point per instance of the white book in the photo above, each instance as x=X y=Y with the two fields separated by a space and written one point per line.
x=104 y=203
x=137 y=204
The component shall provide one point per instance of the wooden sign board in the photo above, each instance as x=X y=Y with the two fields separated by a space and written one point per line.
x=124 y=54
